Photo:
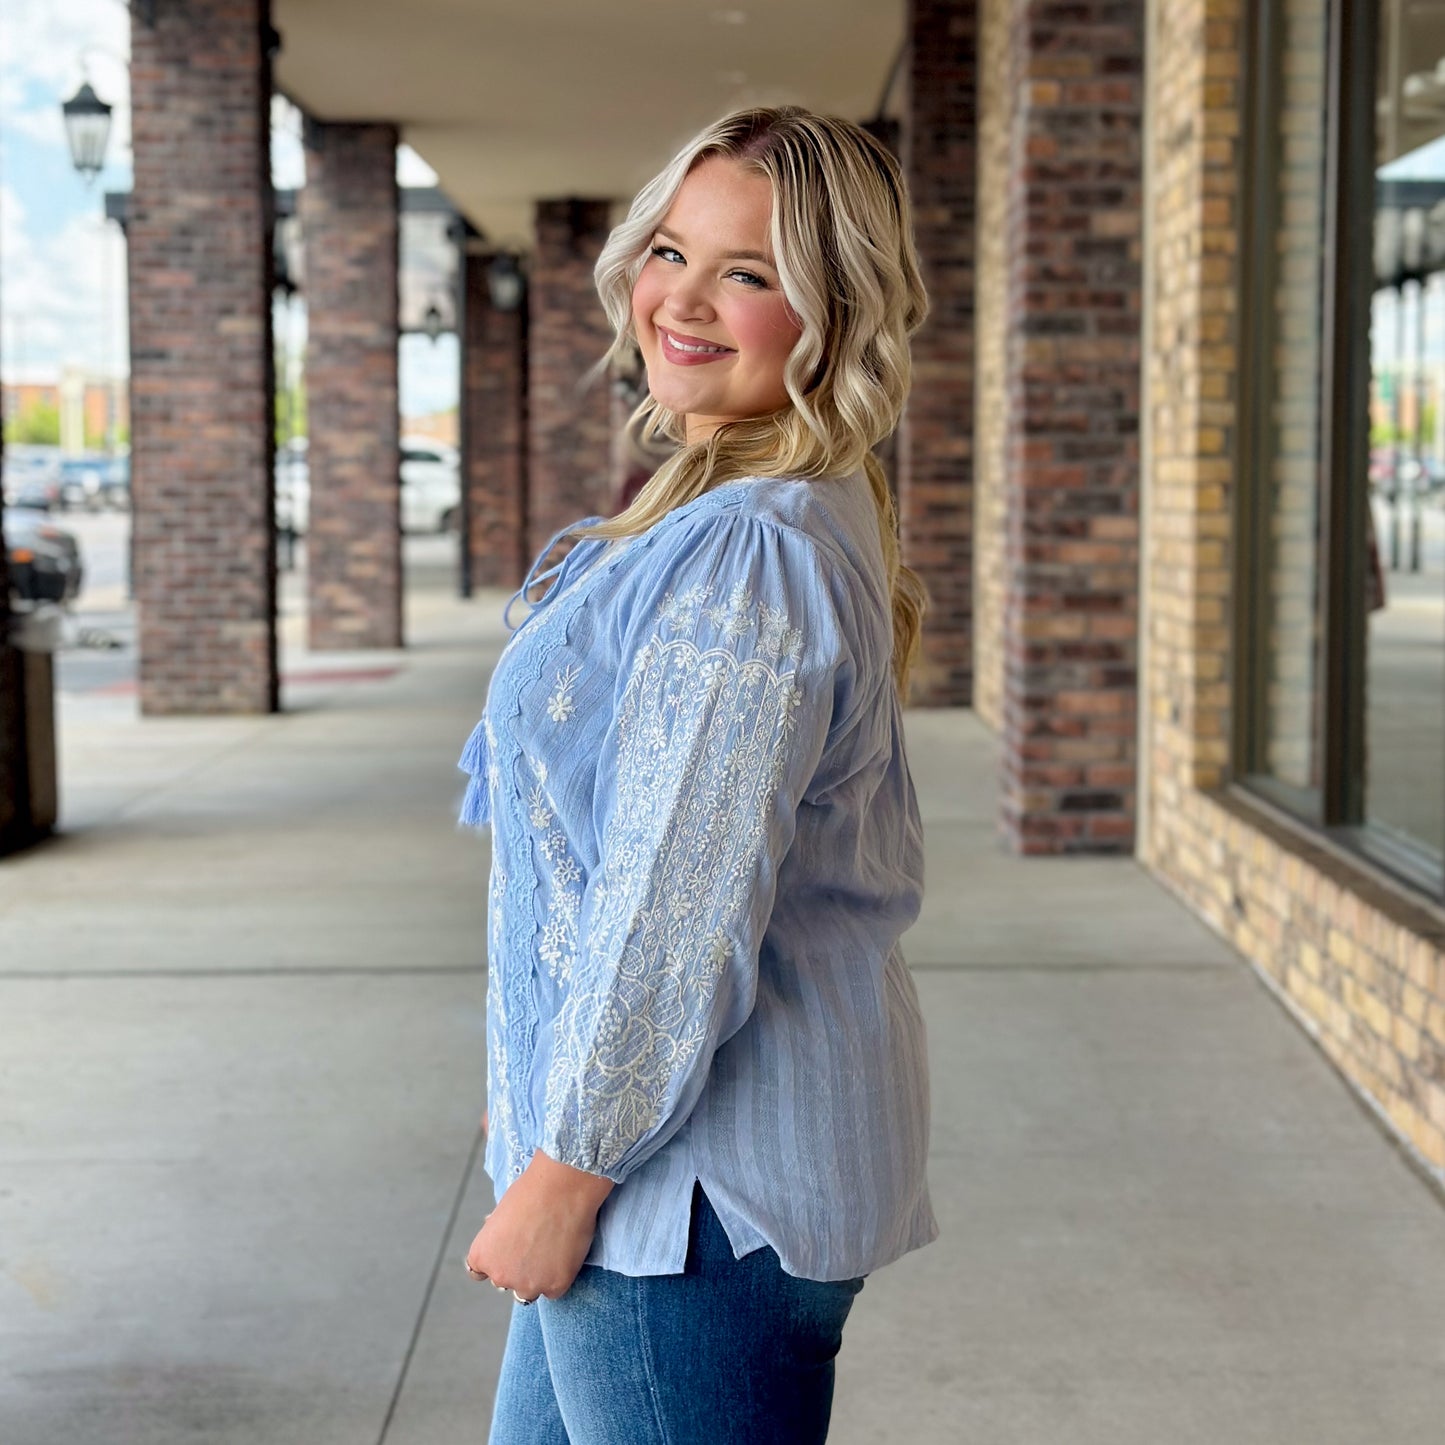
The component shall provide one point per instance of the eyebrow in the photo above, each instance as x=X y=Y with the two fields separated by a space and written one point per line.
x=731 y=255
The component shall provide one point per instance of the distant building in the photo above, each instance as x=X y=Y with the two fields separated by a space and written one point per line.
x=94 y=410
x=437 y=426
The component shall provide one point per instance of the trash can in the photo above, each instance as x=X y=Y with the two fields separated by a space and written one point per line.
x=34 y=638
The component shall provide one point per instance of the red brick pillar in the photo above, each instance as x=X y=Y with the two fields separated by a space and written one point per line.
x=494 y=370
x=935 y=444
x=202 y=411
x=349 y=215
x=1071 y=435
x=570 y=448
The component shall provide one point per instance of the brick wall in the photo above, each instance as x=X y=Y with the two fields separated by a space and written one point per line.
x=570 y=450
x=1071 y=444
x=997 y=84
x=1355 y=958
x=348 y=213
x=495 y=466
x=202 y=434
x=935 y=443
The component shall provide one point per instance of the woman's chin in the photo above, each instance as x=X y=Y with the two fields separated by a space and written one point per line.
x=679 y=399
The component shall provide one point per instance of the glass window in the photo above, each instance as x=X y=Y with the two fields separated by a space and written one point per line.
x=1404 y=756
x=1341 y=664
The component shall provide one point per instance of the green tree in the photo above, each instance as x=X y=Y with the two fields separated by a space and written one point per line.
x=37 y=425
x=290 y=410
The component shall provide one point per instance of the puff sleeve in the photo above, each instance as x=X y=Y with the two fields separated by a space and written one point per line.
x=734 y=663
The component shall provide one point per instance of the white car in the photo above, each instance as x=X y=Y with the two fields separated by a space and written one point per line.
x=431 y=488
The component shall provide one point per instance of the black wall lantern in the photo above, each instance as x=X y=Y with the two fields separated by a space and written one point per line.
x=505 y=283
x=87 y=128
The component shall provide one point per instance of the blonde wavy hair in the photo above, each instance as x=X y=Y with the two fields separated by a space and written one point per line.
x=842 y=238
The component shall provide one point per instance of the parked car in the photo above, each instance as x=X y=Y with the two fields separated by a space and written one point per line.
x=430 y=479
x=44 y=560
x=32 y=477
x=431 y=486
x=1424 y=476
x=115 y=484
x=80 y=482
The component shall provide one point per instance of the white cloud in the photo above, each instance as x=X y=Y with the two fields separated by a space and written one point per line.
x=50 y=46
x=63 y=302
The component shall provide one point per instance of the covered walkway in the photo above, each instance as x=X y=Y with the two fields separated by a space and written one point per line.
x=241 y=1016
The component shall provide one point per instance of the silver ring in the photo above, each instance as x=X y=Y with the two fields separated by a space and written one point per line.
x=474 y=1273
x=522 y=1301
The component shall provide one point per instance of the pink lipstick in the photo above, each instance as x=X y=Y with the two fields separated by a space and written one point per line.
x=684 y=350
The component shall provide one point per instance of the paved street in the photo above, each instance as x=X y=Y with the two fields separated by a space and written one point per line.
x=241 y=1012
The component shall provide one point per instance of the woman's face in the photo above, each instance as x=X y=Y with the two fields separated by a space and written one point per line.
x=711 y=319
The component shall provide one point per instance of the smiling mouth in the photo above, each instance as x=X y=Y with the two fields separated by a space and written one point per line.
x=691 y=348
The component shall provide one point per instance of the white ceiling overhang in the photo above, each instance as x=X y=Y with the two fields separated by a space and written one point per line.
x=514 y=102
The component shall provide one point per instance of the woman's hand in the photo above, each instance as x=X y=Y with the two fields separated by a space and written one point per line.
x=536 y=1238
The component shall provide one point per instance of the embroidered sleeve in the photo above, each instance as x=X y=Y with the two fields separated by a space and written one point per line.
x=726 y=691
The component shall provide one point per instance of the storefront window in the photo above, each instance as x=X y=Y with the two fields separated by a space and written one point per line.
x=1341 y=625
x=1404 y=764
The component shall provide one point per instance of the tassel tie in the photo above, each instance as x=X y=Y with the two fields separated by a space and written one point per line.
x=476 y=759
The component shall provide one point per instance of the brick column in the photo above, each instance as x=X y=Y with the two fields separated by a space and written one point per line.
x=1071 y=430
x=495 y=436
x=570 y=447
x=353 y=544
x=935 y=447
x=202 y=423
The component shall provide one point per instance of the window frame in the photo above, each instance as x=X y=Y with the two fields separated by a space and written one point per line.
x=1347 y=276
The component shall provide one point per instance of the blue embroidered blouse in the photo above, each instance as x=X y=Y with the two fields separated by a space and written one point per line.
x=705 y=848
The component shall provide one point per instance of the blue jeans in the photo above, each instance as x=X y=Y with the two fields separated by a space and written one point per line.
x=730 y=1352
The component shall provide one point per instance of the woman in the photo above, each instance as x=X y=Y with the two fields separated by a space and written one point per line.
x=707 y=1086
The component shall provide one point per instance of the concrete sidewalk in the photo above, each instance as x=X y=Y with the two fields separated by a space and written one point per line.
x=241 y=1022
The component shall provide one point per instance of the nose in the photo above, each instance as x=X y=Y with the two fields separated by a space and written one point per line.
x=688 y=300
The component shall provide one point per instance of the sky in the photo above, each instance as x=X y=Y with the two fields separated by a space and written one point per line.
x=62 y=265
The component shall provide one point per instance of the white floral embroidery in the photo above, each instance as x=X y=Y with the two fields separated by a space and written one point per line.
x=561 y=705
x=501 y=1113
x=493 y=773
x=777 y=636
x=731 y=618
x=681 y=611
x=498 y=894
x=702 y=752
x=734 y=617
x=560 y=883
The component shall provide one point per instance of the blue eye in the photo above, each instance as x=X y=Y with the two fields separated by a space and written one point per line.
x=665 y=252
x=749 y=278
